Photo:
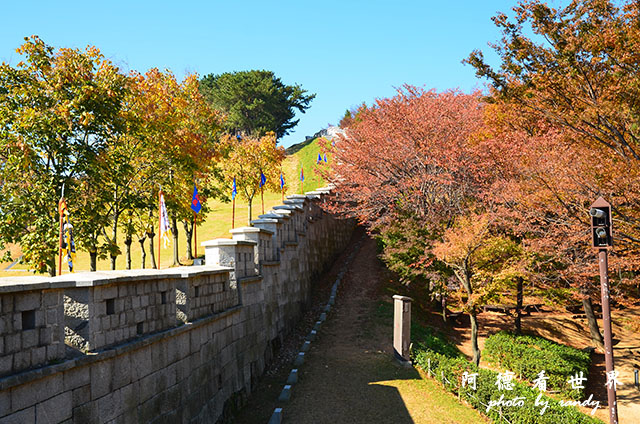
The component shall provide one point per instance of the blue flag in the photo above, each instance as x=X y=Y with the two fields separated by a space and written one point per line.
x=319 y=159
x=263 y=179
x=234 y=190
x=301 y=174
x=325 y=158
x=281 y=181
x=195 y=200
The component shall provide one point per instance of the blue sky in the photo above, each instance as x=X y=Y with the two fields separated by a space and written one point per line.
x=347 y=52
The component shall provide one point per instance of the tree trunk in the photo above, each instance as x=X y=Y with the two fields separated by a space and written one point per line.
x=143 y=253
x=596 y=336
x=151 y=235
x=113 y=262
x=466 y=282
x=250 y=211
x=519 y=296
x=474 y=336
x=443 y=301
x=93 y=260
x=188 y=231
x=51 y=267
x=174 y=231
x=127 y=243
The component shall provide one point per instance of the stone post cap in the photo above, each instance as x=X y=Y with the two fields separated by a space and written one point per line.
x=264 y=221
x=403 y=298
x=227 y=242
x=288 y=208
x=281 y=214
x=296 y=198
x=242 y=230
x=273 y=215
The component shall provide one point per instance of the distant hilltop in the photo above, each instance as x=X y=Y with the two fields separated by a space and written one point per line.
x=330 y=133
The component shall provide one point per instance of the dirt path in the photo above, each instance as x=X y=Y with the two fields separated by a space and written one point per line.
x=349 y=375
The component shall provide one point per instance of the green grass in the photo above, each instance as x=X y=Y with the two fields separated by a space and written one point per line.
x=216 y=224
x=308 y=156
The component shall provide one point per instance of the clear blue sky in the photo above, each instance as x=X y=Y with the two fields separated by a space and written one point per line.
x=347 y=52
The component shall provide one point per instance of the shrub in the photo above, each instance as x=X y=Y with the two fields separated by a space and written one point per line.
x=526 y=356
x=449 y=367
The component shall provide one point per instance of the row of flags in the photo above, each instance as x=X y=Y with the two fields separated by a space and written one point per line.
x=67 y=244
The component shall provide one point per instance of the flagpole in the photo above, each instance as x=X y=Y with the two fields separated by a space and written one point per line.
x=195 y=233
x=262 y=197
x=60 y=241
x=159 y=224
x=233 y=214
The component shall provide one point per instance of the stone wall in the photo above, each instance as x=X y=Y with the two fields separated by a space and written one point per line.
x=181 y=345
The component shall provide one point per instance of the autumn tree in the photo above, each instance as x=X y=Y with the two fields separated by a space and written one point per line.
x=58 y=110
x=179 y=132
x=245 y=159
x=255 y=102
x=409 y=167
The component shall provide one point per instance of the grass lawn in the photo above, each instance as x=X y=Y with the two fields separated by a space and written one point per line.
x=215 y=225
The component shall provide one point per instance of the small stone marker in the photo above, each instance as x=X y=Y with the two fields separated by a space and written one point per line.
x=299 y=359
x=293 y=376
x=312 y=335
x=323 y=317
x=276 y=417
x=401 y=327
x=285 y=395
x=317 y=326
x=332 y=300
x=306 y=346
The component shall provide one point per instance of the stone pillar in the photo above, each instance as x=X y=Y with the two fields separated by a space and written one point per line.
x=401 y=327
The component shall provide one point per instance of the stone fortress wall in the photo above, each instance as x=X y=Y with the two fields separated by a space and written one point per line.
x=180 y=345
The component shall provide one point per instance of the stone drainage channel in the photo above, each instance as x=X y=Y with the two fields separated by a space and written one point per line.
x=292 y=379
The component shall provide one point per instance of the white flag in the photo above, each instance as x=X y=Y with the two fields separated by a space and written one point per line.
x=165 y=229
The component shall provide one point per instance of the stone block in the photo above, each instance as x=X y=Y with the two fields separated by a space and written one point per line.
x=317 y=325
x=39 y=355
x=276 y=417
x=26 y=416
x=323 y=317
x=305 y=346
x=56 y=409
x=27 y=301
x=5 y=403
x=81 y=395
x=327 y=308
x=101 y=379
x=76 y=377
x=285 y=394
x=299 y=359
x=30 y=338
x=21 y=360
x=293 y=376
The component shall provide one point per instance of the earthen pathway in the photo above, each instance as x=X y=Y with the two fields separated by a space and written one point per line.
x=349 y=375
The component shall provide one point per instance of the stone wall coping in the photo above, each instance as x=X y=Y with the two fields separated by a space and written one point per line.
x=27 y=376
x=270 y=263
x=100 y=278
x=227 y=242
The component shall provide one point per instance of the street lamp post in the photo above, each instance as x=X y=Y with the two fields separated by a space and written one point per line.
x=603 y=241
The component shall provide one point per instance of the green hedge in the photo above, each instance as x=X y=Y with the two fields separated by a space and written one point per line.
x=526 y=356
x=448 y=368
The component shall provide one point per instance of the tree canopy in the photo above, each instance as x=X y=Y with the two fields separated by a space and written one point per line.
x=255 y=102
